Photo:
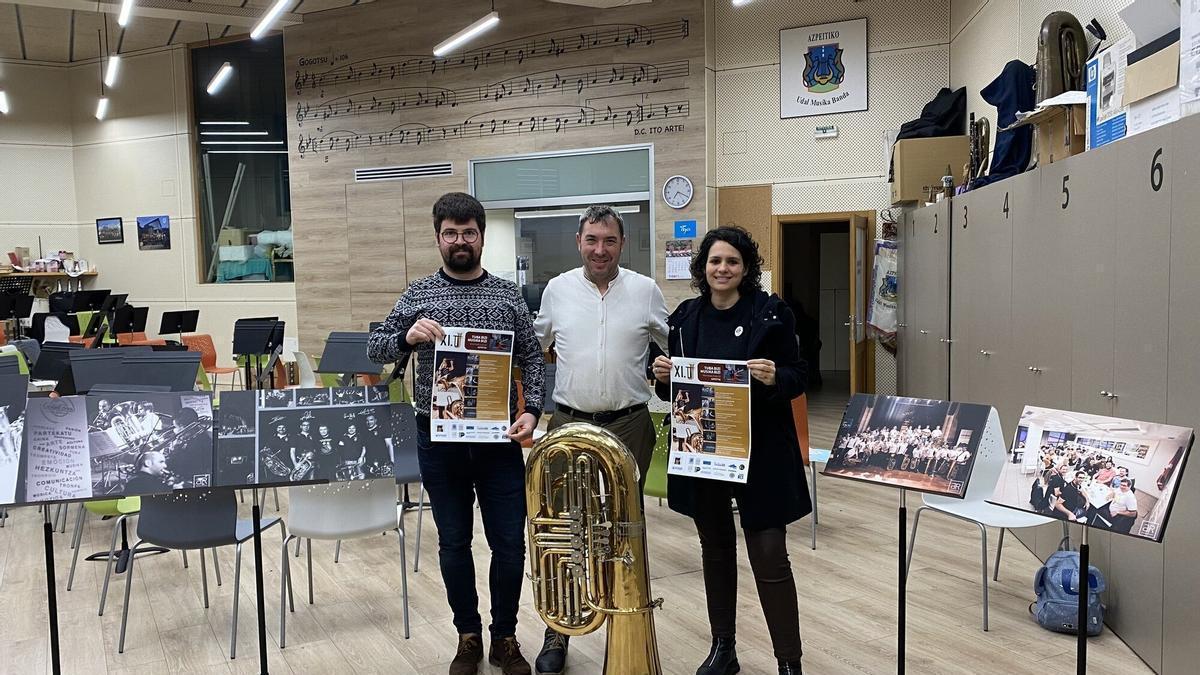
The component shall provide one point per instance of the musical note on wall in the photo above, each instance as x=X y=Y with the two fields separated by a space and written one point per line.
x=544 y=45
x=567 y=81
x=479 y=127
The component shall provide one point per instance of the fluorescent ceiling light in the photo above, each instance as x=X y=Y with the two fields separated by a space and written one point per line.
x=241 y=142
x=268 y=19
x=570 y=213
x=231 y=123
x=458 y=39
x=218 y=80
x=739 y=3
x=232 y=133
x=246 y=152
x=126 y=9
x=110 y=73
x=3 y=102
x=101 y=108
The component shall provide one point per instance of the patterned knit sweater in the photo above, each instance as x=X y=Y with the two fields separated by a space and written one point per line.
x=488 y=302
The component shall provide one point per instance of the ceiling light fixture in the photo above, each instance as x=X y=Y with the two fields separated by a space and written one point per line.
x=461 y=37
x=241 y=142
x=246 y=124
x=126 y=10
x=232 y=133
x=569 y=213
x=102 y=107
x=110 y=73
x=269 y=18
x=3 y=102
x=218 y=80
x=739 y=3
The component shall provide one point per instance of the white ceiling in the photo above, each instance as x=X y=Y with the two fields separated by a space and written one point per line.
x=36 y=32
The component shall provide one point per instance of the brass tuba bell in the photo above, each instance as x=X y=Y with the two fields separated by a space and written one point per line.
x=587 y=544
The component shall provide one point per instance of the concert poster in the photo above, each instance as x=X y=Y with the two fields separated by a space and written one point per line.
x=710 y=419
x=13 y=392
x=471 y=380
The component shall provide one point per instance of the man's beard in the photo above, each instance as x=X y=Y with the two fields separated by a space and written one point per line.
x=458 y=264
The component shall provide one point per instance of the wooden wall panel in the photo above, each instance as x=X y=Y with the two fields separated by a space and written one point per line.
x=750 y=208
x=365 y=91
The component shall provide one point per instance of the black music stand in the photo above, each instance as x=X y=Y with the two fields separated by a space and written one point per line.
x=179 y=322
x=88 y=301
x=10 y=366
x=174 y=369
x=111 y=303
x=346 y=355
x=95 y=367
x=15 y=308
x=53 y=360
x=254 y=338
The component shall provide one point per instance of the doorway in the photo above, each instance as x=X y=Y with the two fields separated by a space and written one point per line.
x=823 y=264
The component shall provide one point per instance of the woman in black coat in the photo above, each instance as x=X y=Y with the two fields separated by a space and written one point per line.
x=734 y=319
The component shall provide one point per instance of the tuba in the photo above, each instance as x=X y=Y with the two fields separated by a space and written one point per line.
x=1061 y=55
x=587 y=544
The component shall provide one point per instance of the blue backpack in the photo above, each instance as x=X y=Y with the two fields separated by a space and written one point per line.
x=1057 y=587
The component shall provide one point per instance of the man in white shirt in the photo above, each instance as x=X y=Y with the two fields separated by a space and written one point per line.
x=601 y=320
x=1123 y=506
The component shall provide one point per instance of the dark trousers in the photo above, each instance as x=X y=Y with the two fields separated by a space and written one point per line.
x=767 y=550
x=636 y=430
x=455 y=474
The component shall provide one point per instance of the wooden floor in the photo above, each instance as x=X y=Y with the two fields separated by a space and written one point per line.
x=846 y=588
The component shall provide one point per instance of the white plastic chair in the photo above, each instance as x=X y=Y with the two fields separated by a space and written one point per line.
x=304 y=368
x=973 y=508
x=350 y=510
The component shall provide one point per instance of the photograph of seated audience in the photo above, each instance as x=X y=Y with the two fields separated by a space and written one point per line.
x=919 y=444
x=1117 y=475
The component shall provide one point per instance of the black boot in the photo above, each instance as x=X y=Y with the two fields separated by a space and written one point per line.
x=790 y=668
x=722 y=660
x=553 y=658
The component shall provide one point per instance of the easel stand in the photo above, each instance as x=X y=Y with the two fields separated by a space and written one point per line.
x=901 y=627
x=51 y=590
x=1085 y=594
x=258 y=585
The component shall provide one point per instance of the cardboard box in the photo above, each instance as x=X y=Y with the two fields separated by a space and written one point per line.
x=1152 y=69
x=232 y=236
x=235 y=253
x=1060 y=133
x=920 y=162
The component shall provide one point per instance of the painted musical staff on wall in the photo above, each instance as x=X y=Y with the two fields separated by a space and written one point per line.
x=544 y=45
x=567 y=81
x=477 y=127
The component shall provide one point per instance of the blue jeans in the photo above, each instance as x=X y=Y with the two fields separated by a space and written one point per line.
x=455 y=474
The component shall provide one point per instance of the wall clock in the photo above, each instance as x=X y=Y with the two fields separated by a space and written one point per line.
x=677 y=191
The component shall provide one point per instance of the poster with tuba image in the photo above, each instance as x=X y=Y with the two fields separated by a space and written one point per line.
x=472 y=374
x=13 y=392
x=329 y=434
x=710 y=419
x=149 y=443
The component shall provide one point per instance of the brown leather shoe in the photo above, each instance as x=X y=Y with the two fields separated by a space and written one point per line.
x=470 y=653
x=506 y=654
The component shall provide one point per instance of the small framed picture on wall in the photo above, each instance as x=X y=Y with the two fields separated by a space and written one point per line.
x=154 y=233
x=109 y=231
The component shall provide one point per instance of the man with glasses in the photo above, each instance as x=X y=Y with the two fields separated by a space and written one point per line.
x=463 y=294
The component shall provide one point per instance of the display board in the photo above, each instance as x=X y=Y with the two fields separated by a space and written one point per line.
x=296 y=435
x=918 y=444
x=1105 y=472
x=13 y=390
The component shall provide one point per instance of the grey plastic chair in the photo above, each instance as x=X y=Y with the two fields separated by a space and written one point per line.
x=195 y=521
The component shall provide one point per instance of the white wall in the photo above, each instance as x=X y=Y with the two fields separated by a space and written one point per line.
x=37 y=160
x=69 y=169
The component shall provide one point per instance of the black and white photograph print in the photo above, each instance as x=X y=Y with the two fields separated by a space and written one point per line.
x=236 y=425
x=1114 y=474
x=109 y=231
x=13 y=393
x=282 y=398
x=150 y=443
x=154 y=233
x=334 y=434
x=913 y=443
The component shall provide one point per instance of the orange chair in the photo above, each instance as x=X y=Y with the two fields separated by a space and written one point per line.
x=203 y=343
x=149 y=343
x=131 y=338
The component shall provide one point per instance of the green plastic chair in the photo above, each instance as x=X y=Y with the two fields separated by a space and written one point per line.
x=121 y=509
x=656 y=476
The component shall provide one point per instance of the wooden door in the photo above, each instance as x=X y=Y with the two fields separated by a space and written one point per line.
x=861 y=259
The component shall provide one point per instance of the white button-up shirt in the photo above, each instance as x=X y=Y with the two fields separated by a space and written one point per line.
x=602 y=341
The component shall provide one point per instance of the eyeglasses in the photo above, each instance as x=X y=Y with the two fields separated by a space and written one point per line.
x=468 y=236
